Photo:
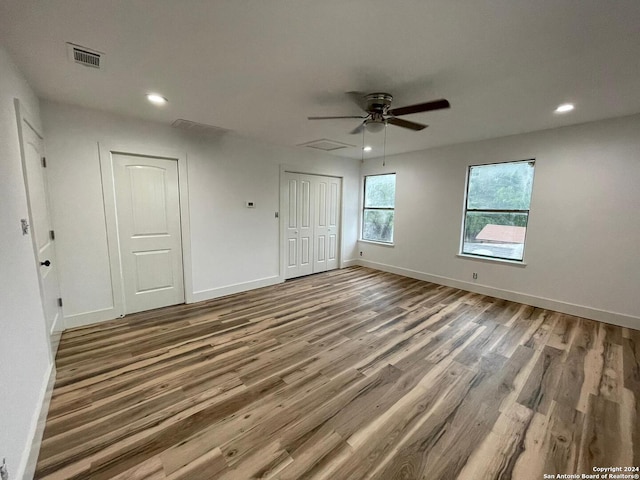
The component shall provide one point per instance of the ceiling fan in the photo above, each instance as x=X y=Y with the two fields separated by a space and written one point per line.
x=379 y=112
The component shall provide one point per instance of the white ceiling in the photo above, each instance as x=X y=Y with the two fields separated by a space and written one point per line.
x=260 y=67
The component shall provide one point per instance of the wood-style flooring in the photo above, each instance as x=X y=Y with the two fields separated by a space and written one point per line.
x=350 y=374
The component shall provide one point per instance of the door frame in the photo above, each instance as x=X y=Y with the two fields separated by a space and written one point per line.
x=306 y=170
x=106 y=152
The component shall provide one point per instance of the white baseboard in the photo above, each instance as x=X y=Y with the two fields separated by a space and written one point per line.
x=87 y=318
x=235 y=288
x=350 y=263
x=27 y=468
x=58 y=324
x=605 y=316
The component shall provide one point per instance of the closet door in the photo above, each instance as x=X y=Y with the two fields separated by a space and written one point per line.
x=299 y=225
x=327 y=192
x=333 y=207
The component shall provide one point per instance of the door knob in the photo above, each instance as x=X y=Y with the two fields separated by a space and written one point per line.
x=46 y=263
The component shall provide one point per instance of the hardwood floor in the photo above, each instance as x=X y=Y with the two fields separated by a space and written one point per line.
x=350 y=374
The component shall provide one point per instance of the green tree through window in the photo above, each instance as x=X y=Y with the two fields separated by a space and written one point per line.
x=379 y=207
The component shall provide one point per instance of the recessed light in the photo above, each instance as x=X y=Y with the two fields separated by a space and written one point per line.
x=564 y=108
x=367 y=148
x=156 y=99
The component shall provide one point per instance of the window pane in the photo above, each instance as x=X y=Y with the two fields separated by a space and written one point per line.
x=502 y=186
x=380 y=191
x=378 y=225
x=498 y=235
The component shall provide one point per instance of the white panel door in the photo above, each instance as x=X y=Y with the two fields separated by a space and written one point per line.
x=298 y=226
x=327 y=191
x=36 y=182
x=321 y=227
x=333 y=207
x=312 y=205
x=149 y=232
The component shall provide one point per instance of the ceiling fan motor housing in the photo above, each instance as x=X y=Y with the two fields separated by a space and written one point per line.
x=378 y=103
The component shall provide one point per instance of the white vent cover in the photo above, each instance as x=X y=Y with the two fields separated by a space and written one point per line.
x=85 y=56
x=326 y=145
x=196 y=127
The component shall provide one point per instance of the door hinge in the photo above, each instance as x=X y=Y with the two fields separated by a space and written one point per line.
x=52 y=235
x=59 y=302
x=44 y=162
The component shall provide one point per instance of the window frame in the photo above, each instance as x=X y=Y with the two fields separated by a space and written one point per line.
x=520 y=261
x=365 y=208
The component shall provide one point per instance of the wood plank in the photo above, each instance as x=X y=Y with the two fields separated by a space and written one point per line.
x=349 y=374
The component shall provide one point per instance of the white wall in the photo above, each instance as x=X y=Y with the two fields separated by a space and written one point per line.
x=24 y=347
x=583 y=240
x=233 y=248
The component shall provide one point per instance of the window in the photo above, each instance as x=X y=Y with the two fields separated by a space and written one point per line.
x=378 y=207
x=497 y=209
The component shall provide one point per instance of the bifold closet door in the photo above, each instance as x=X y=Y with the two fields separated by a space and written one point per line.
x=327 y=192
x=312 y=209
x=299 y=226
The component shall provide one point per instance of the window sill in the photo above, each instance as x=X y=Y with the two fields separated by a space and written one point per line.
x=383 y=244
x=515 y=263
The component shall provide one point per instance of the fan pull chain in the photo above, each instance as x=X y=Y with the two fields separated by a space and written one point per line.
x=363 y=129
x=384 y=146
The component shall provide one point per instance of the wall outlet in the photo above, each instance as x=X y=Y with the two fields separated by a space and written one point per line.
x=360 y=253
x=475 y=276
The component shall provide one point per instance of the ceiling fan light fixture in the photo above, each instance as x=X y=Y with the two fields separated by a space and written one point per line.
x=375 y=126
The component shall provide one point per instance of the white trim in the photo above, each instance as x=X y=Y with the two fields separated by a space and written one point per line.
x=106 y=152
x=27 y=467
x=58 y=325
x=217 y=292
x=87 y=318
x=373 y=242
x=491 y=260
x=361 y=195
x=350 y=263
x=614 y=318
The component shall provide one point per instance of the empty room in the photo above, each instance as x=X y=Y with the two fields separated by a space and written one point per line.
x=357 y=239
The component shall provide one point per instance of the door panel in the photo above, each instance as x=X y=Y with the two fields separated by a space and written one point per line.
x=39 y=213
x=305 y=209
x=149 y=231
x=320 y=230
x=299 y=226
x=293 y=203
x=148 y=202
x=153 y=270
x=333 y=229
x=292 y=248
x=327 y=228
x=292 y=233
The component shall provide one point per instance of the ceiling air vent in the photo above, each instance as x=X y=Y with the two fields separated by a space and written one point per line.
x=326 y=145
x=196 y=127
x=85 y=56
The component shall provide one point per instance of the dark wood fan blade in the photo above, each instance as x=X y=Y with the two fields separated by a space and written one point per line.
x=358 y=129
x=333 y=118
x=399 y=122
x=421 y=107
